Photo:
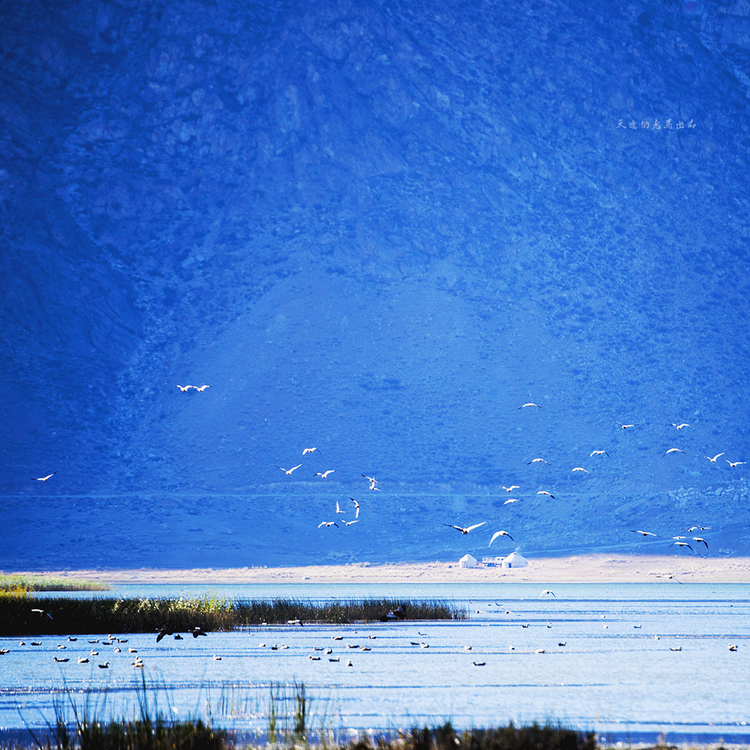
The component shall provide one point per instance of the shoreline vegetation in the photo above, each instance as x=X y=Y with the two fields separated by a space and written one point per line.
x=17 y=582
x=22 y=615
x=160 y=734
x=290 y=725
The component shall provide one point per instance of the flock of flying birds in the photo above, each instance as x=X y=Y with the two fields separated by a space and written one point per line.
x=678 y=540
x=324 y=475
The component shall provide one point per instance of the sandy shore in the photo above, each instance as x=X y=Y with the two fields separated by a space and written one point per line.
x=598 y=568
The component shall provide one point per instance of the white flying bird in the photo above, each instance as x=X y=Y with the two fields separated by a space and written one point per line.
x=201 y=388
x=539 y=461
x=511 y=488
x=44 y=479
x=512 y=500
x=465 y=530
x=683 y=544
x=356 y=507
x=338 y=508
x=713 y=460
x=735 y=463
x=372 y=482
x=673 y=450
x=598 y=453
x=680 y=426
x=500 y=533
x=643 y=533
x=544 y=492
x=328 y=523
x=324 y=474
x=579 y=468
x=529 y=404
x=288 y=472
x=184 y=388
x=310 y=450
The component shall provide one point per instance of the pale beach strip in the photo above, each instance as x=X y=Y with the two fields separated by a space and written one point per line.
x=594 y=568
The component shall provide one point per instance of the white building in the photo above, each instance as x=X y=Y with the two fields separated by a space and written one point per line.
x=514 y=560
x=467 y=561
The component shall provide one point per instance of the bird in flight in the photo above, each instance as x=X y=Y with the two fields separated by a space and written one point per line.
x=530 y=404
x=735 y=463
x=538 y=461
x=324 y=474
x=511 y=488
x=201 y=388
x=356 y=507
x=328 y=523
x=288 y=472
x=698 y=528
x=349 y=523
x=465 y=530
x=680 y=426
x=184 y=388
x=683 y=544
x=580 y=468
x=338 y=508
x=700 y=539
x=599 y=453
x=643 y=533
x=544 y=492
x=500 y=533
x=624 y=426
x=310 y=450
x=673 y=450
x=548 y=591
x=44 y=479
x=372 y=482
x=713 y=460
x=512 y=500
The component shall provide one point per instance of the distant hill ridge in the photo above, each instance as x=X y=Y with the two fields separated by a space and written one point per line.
x=377 y=228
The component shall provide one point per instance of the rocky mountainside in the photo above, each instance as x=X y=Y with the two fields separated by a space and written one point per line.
x=376 y=228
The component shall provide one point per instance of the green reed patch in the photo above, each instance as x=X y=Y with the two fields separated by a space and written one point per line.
x=62 y=615
x=13 y=583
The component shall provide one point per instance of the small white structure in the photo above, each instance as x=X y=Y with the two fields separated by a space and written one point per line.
x=467 y=561
x=514 y=560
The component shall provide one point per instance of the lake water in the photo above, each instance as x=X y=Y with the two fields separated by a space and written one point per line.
x=632 y=662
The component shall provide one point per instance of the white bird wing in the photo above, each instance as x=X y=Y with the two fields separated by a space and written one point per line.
x=476 y=526
x=496 y=535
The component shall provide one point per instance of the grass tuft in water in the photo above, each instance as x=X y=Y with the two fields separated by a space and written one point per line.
x=288 y=711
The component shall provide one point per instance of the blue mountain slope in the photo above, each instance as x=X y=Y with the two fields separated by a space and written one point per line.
x=378 y=229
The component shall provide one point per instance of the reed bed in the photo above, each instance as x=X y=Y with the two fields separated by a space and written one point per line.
x=160 y=734
x=288 y=728
x=15 y=584
x=21 y=615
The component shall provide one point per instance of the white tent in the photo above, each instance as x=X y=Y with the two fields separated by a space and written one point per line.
x=467 y=561
x=514 y=560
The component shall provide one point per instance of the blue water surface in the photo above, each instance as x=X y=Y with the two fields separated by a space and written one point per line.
x=633 y=662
